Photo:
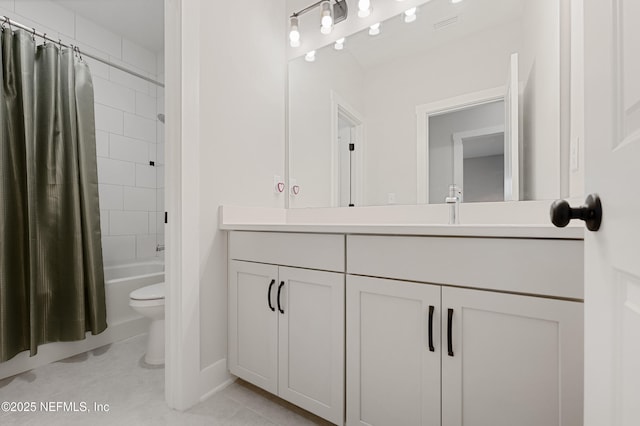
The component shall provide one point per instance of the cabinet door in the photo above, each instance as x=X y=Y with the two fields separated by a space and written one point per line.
x=253 y=325
x=517 y=360
x=393 y=378
x=311 y=340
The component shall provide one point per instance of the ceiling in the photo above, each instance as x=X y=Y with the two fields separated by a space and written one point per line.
x=141 y=21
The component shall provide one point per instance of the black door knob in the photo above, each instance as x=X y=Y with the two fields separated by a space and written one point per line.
x=590 y=212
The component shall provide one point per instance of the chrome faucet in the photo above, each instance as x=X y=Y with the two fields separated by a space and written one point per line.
x=454 y=198
x=159 y=248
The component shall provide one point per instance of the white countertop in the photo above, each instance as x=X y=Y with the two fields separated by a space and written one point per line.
x=344 y=221
x=495 y=231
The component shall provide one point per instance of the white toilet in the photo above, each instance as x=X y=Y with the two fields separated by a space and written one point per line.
x=149 y=302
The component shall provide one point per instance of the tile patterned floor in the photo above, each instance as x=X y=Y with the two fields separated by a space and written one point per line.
x=116 y=375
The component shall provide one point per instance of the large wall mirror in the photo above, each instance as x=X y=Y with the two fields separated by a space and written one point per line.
x=467 y=94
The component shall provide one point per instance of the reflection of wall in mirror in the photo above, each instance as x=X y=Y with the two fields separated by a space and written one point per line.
x=484 y=179
x=310 y=87
x=470 y=64
x=540 y=74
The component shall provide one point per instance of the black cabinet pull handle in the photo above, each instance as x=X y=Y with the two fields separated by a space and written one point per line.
x=269 y=296
x=280 y=289
x=450 y=331
x=431 y=309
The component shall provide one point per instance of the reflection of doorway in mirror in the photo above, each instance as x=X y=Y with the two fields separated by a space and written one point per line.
x=347 y=153
x=467 y=115
x=346 y=149
x=478 y=163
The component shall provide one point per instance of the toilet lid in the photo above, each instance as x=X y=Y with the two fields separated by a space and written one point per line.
x=150 y=292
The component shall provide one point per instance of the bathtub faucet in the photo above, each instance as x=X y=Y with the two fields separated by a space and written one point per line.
x=159 y=247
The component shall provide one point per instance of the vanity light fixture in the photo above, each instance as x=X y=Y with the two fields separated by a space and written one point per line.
x=310 y=56
x=326 y=20
x=329 y=16
x=294 y=34
x=374 y=29
x=410 y=15
x=456 y=1
x=364 y=8
x=339 y=45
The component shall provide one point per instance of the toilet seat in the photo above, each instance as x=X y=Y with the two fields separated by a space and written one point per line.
x=154 y=292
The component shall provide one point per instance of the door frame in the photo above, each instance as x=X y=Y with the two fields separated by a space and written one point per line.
x=339 y=106
x=426 y=111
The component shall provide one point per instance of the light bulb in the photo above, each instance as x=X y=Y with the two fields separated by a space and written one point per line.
x=310 y=56
x=455 y=1
x=364 y=8
x=294 y=34
x=374 y=29
x=326 y=20
x=410 y=15
x=339 y=44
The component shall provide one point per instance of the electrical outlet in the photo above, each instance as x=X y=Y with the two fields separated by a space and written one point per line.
x=294 y=188
x=278 y=184
x=391 y=198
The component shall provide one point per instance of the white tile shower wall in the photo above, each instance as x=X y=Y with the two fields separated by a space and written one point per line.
x=128 y=134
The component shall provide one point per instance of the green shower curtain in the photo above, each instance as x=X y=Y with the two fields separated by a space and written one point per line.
x=51 y=274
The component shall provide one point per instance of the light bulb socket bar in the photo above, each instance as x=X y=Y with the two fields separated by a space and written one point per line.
x=340 y=10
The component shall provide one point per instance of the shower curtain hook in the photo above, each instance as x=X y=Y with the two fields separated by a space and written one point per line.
x=77 y=50
x=33 y=35
x=60 y=44
x=44 y=37
x=4 y=21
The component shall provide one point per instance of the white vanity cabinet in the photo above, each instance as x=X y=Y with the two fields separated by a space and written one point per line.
x=286 y=324
x=393 y=378
x=515 y=360
x=502 y=359
x=435 y=330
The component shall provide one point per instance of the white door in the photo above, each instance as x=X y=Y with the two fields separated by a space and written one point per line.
x=253 y=323
x=393 y=366
x=511 y=140
x=512 y=360
x=612 y=170
x=311 y=340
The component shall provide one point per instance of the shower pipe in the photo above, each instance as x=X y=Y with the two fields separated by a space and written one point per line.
x=7 y=21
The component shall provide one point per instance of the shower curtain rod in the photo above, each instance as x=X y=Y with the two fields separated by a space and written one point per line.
x=12 y=23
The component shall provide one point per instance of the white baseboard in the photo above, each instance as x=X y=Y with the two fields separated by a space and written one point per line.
x=214 y=378
x=52 y=352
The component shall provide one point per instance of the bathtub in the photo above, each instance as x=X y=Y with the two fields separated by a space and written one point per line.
x=123 y=322
x=152 y=272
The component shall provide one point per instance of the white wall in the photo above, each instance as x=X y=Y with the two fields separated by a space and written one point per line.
x=225 y=142
x=126 y=137
x=393 y=91
x=310 y=87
